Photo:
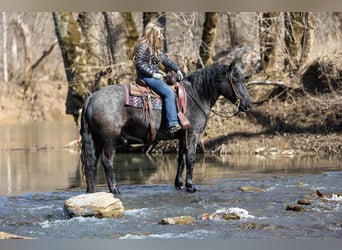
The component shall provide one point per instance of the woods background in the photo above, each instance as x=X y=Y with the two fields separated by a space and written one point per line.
x=50 y=62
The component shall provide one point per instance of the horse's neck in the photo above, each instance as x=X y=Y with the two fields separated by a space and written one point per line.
x=203 y=97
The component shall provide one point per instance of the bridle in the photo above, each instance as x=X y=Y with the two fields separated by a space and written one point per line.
x=236 y=93
x=237 y=96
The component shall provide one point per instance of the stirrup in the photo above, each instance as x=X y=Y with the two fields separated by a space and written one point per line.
x=174 y=129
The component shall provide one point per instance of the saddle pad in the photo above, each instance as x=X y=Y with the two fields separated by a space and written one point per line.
x=137 y=101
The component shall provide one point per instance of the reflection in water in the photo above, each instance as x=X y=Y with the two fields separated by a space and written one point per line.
x=32 y=160
x=161 y=169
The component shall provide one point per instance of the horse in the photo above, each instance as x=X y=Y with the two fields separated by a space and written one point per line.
x=107 y=123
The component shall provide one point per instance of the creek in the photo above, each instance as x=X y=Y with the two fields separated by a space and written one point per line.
x=38 y=173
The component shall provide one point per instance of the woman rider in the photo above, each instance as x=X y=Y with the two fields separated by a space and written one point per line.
x=147 y=55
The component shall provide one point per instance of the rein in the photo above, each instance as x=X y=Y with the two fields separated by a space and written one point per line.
x=238 y=97
x=193 y=98
x=225 y=116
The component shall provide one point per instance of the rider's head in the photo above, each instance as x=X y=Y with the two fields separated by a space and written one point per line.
x=154 y=35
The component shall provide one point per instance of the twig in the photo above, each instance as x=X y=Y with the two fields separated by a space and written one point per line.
x=72 y=143
x=265 y=82
x=45 y=54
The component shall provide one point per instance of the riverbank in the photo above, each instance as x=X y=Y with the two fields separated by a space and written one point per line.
x=299 y=123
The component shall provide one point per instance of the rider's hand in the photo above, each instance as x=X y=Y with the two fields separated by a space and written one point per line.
x=179 y=75
x=157 y=76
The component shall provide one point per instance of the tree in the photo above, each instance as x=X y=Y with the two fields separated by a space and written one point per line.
x=270 y=41
x=285 y=40
x=25 y=34
x=132 y=34
x=4 y=47
x=110 y=36
x=234 y=40
x=78 y=48
x=208 y=39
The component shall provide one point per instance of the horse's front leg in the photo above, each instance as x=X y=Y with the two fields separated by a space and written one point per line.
x=181 y=163
x=190 y=162
x=107 y=161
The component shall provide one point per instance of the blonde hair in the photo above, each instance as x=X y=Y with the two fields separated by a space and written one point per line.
x=153 y=37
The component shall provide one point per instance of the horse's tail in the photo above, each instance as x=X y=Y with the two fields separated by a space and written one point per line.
x=88 y=157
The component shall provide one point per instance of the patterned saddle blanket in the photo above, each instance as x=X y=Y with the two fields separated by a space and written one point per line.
x=137 y=95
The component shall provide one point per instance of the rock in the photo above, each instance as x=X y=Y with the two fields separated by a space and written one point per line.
x=295 y=208
x=231 y=216
x=99 y=205
x=183 y=220
x=260 y=150
x=251 y=189
x=221 y=216
x=274 y=151
x=304 y=202
x=288 y=152
x=8 y=236
x=233 y=213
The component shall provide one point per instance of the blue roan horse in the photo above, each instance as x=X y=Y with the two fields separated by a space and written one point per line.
x=107 y=123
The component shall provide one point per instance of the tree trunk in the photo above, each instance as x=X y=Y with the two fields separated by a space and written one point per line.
x=270 y=36
x=132 y=34
x=298 y=39
x=14 y=65
x=208 y=39
x=234 y=40
x=4 y=47
x=25 y=35
x=110 y=37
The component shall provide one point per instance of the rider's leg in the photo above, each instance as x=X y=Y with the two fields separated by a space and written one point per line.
x=162 y=89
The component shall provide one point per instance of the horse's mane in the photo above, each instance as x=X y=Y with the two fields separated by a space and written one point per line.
x=204 y=80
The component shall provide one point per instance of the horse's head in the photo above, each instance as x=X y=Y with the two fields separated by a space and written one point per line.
x=234 y=88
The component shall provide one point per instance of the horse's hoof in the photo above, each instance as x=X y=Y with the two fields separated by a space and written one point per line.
x=90 y=191
x=115 y=191
x=191 y=188
x=179 y=185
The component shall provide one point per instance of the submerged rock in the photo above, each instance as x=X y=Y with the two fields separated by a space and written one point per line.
x=98 y=205
x=251 y=189
x=305 y=202
x=295 y=208
x=251 y=226
x=183 y=220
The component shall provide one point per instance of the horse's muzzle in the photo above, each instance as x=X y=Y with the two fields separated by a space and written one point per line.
x=245 y=107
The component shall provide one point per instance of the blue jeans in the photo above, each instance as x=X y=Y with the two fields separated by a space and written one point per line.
x=168 y=96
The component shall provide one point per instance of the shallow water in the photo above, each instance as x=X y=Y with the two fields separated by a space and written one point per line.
x=35 y=183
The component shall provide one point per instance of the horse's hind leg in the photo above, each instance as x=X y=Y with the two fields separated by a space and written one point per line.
x=107 y=162
x=89 y=156
x=90 y=173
